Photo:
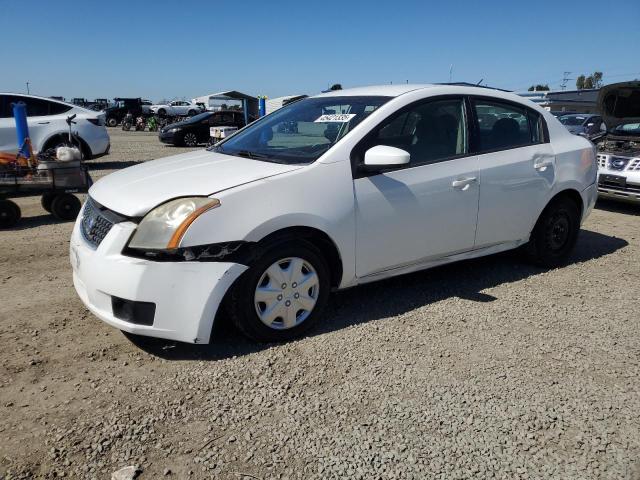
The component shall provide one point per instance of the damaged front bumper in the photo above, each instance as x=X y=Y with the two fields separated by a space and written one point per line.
x=172 y=300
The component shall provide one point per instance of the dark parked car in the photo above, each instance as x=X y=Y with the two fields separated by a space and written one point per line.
x=195 y=130
x=123 y=106
x=559 y=113
x=582 y=123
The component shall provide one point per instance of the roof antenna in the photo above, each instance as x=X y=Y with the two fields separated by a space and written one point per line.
x=478 y=84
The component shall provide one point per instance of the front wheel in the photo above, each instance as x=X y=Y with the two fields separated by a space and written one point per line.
x=9 y=213
x=112 y=122
x=282 y=294
x=65 y=206
x=190 y=139
x=555 y=234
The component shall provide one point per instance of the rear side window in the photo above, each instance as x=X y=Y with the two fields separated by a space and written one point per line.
x=58 y=108
x=37 y=107
x=503 y=125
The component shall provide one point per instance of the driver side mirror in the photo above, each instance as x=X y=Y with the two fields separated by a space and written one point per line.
x=382 y=157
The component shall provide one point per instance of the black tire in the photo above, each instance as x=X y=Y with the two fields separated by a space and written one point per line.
x=112 y=122
x=191 y=113
x=9 y=213
x=162 y=112
x=555 y=234
x=190 y=139
x=241 y=302
x=65 y=206
x=46 y=200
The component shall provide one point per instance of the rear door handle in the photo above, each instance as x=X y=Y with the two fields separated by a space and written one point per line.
x=43 y=123
x=541 y=165
x=463 y=183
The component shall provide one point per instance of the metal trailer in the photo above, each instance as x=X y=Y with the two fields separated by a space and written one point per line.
x=55 y=181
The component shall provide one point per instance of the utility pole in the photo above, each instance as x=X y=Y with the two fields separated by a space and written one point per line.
x=27 y=88
x=565 y=79
x=450 y=72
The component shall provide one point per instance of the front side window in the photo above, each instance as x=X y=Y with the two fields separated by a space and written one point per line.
x=504 y=125
x=431 y=131
x=302 y=131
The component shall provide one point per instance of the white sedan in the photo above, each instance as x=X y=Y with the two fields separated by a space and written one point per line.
x=337 y=190
x=178 y=107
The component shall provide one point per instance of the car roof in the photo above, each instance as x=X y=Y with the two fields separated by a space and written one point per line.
x=438 y=89
x=375 y=90
x=41 y=98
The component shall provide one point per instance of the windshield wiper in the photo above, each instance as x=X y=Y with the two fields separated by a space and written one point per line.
x=251 y=155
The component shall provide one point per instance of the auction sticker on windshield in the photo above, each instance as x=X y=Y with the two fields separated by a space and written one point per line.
x=335 y=117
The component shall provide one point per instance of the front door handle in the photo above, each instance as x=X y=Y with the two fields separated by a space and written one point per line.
x=541 y=165
x=463 y=183
x=43 y=123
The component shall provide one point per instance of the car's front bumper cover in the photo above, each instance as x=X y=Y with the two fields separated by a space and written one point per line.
x=186 y=295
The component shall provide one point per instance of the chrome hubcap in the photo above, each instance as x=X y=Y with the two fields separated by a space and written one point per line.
x=286 y=293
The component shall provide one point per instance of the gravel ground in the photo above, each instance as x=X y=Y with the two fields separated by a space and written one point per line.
x=483 y=369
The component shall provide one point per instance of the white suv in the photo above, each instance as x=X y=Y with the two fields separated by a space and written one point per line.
x=329 y=192
x=46 y=119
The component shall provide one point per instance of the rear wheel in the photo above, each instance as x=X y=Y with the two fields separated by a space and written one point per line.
x=282 y=294
x=555 y=234
x=65 y=206
x=46 y=200
x=9 y=213
x=191 y=113
x=112 y=122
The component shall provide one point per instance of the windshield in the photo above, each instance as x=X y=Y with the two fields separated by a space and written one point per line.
x=302 y=131
x=572 y=120
x=628 y=129
x=200 y=116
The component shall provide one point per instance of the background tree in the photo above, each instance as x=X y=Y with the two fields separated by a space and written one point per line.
x=539 y=88
x=597 y=79
x=592 y=81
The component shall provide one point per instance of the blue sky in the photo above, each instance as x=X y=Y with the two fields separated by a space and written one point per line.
x=180 y=49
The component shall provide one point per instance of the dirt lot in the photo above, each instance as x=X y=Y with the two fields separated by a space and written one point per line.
x=484 y=369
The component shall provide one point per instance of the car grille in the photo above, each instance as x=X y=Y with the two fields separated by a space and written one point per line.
x=618 y=164
x=97 y=222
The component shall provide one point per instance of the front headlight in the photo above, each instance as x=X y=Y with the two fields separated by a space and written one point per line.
x=174 y=130
x=164 y=226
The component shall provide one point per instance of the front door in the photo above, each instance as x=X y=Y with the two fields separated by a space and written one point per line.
x=423 y=211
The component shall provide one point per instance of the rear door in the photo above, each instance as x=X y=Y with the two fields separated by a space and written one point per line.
x=517 y=169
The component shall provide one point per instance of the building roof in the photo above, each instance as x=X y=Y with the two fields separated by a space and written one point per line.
x=233 y=94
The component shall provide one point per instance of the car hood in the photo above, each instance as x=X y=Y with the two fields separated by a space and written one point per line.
x=619 y=103
x=134 y=191
x=176 y=125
